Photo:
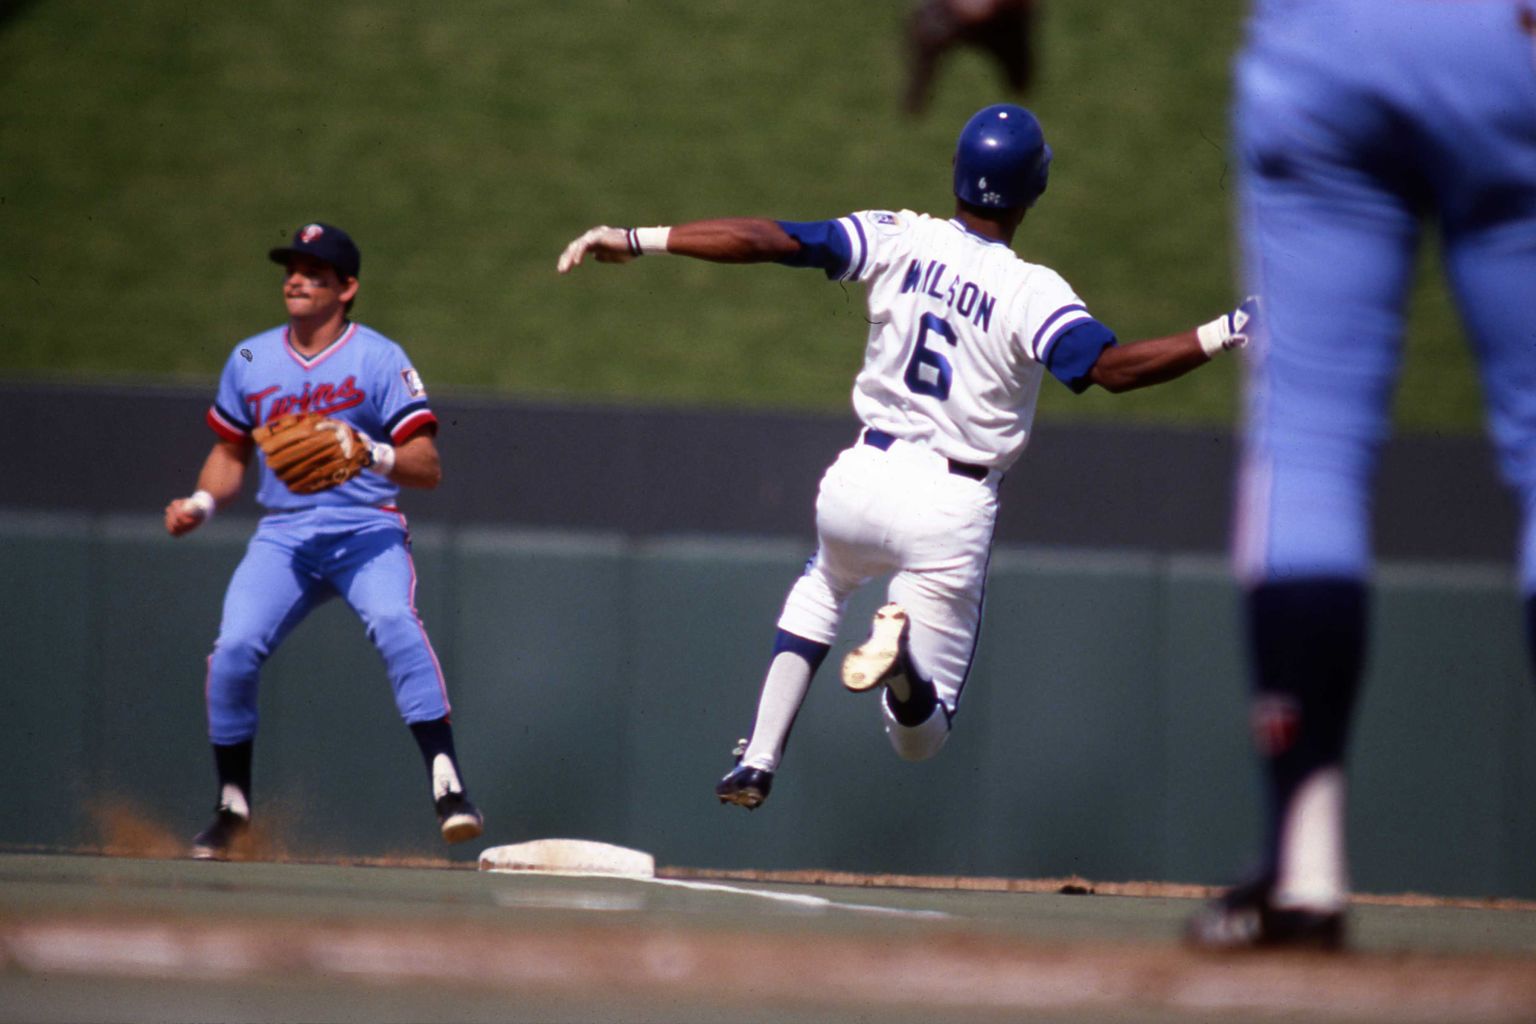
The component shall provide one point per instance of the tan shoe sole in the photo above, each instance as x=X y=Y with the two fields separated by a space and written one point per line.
x=868 y=664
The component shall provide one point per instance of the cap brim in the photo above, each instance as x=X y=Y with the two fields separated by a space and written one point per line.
x=283 y=254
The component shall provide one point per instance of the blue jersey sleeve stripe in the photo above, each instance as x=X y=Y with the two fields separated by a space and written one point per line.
x=823 y=243
x=863 y=249
x=418 y=420
x=1050 y=322
x=1075 y=350
x=1063 y=325
x=405 y=411
x=233 y=421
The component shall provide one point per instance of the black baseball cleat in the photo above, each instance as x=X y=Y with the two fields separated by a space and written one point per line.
x=745 y=786
x=1244 y=919
x=880 y=657
x=215 y=841
x=458 y=818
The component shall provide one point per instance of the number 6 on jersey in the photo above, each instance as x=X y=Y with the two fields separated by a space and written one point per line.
x=937 y=380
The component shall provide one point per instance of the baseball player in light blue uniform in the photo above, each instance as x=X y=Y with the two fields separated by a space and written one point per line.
x=1359 y=123
x=962 y=333
x=349 y=541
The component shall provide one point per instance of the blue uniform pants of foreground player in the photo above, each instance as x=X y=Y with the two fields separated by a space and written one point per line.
x=294 y=562
x=1359 y=125
x=1426 y=118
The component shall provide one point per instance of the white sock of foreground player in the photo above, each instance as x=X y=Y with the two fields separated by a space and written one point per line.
x=1312 y=871
x=795 y=660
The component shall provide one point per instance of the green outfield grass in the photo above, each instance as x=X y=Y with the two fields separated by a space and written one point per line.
x=150 y=152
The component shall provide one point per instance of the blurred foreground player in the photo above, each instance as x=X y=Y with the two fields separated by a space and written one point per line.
x=341 y=385
x=1359 y=123
x=962 y=333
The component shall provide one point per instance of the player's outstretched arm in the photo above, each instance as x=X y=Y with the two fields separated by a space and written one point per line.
x=1144 y=363
x=218 y=483
x=722 y=240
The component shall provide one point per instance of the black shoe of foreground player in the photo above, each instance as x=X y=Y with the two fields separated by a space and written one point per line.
x=458 y=818
x=1244 y=919
x=745 y=786
x=215 y=841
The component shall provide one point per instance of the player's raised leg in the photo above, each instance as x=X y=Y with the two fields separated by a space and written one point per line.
x=922 y=642
x=378 y=578
x=265 y=599
x=922 y=690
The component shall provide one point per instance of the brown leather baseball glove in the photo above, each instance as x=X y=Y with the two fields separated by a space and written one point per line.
x=310 y=453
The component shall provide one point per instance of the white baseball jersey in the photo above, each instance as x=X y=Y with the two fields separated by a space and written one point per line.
x=961 y=333
x=961 y=330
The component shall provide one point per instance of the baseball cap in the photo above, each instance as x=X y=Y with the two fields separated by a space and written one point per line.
x=323 y=242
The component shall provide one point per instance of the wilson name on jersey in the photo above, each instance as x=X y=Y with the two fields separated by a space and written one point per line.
x=961 y=330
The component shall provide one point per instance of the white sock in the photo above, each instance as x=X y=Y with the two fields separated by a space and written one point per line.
x=445 y=777
x=784 y=690
x=231 y=799
x=1312 y=871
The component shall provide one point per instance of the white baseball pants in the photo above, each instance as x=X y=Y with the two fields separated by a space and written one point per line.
x=902 y=512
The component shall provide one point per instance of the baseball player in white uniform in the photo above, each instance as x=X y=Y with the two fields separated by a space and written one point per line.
x=962 y=331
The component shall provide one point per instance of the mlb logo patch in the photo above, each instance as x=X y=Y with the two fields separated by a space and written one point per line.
x=413 y=384
x=888 y=223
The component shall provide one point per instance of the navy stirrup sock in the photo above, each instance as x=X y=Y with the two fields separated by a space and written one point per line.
x=1307 y=644
x=232 y=763
x=435 y=737
x=813 y=652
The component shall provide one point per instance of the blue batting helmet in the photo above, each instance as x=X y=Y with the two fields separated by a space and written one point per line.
x=1001 y=160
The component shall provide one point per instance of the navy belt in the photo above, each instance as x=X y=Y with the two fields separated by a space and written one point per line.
x=880 y=439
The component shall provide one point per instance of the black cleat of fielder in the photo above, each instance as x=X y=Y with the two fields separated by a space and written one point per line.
x=1245 y=919
x=223 y=832
x=458 y=818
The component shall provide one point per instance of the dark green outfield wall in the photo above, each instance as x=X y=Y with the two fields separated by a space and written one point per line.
x=599 y=683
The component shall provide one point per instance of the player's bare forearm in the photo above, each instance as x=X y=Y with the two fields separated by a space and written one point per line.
x=417 y=463
x=1144 y=363
x=220 y=478
x=224 y=470
x=732 y=240
x=1127 y=367
x=722 y=240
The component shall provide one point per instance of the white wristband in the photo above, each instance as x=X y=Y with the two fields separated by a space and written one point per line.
x=1213 y=336
x=383 y=457
x=202 y=502
x=648 y=241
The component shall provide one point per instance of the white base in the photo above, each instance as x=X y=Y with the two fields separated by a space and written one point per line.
x=569 y=857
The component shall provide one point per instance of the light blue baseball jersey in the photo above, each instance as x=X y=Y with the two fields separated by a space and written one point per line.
x=362 y=378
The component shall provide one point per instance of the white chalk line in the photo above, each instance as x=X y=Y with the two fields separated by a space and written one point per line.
x=576 y=902
x=802 y=899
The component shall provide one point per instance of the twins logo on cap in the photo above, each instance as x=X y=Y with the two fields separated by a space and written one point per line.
x=310 y=232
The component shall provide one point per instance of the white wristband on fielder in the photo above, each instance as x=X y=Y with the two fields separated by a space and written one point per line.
x=383 y=457
x=646 y=241
x=202 y=502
